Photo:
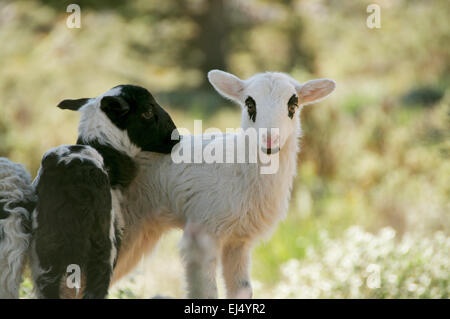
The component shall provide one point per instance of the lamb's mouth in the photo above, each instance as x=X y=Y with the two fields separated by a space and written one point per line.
x=270 y=151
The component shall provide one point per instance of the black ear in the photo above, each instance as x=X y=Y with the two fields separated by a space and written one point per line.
x=73 y=105
x=114 y=105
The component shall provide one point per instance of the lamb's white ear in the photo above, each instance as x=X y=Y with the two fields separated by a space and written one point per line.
x=227 y=84
x=314 y=90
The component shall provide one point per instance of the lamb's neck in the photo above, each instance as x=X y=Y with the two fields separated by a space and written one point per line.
x=271 y=192
x=121 y=168
x=287 y=163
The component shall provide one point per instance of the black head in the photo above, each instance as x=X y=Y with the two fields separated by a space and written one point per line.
x=132 y=109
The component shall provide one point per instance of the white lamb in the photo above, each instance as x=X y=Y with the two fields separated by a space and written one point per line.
x=224 y=208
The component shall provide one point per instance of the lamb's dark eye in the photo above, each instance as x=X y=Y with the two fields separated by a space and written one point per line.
x=292 y=105
x=251 y=108
x=147 y=115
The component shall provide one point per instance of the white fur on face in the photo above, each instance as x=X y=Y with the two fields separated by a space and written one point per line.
x=95 y=125
x=271 y=91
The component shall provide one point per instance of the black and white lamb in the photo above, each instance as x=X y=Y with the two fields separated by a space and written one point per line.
x=77 y=222
x=17 y=200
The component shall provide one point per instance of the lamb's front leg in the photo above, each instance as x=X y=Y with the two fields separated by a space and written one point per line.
x=199 y=250
x=236 y=270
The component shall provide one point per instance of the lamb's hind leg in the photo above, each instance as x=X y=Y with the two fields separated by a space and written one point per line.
x=236 y=269
x=199 y=250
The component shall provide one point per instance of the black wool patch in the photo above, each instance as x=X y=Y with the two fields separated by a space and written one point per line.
x=74 y=217
x=251 y=108
x=121 y=168
x=3 y=214
x=76 y=148
x=292 y=106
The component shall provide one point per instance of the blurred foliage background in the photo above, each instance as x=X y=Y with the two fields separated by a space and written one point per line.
x=369 y=214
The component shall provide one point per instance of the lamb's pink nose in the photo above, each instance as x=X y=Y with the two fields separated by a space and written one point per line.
x=271 y=140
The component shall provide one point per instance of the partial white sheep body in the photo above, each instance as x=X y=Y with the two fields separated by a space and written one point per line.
x=17 y=200
x=231 y=204
x=231 y=200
